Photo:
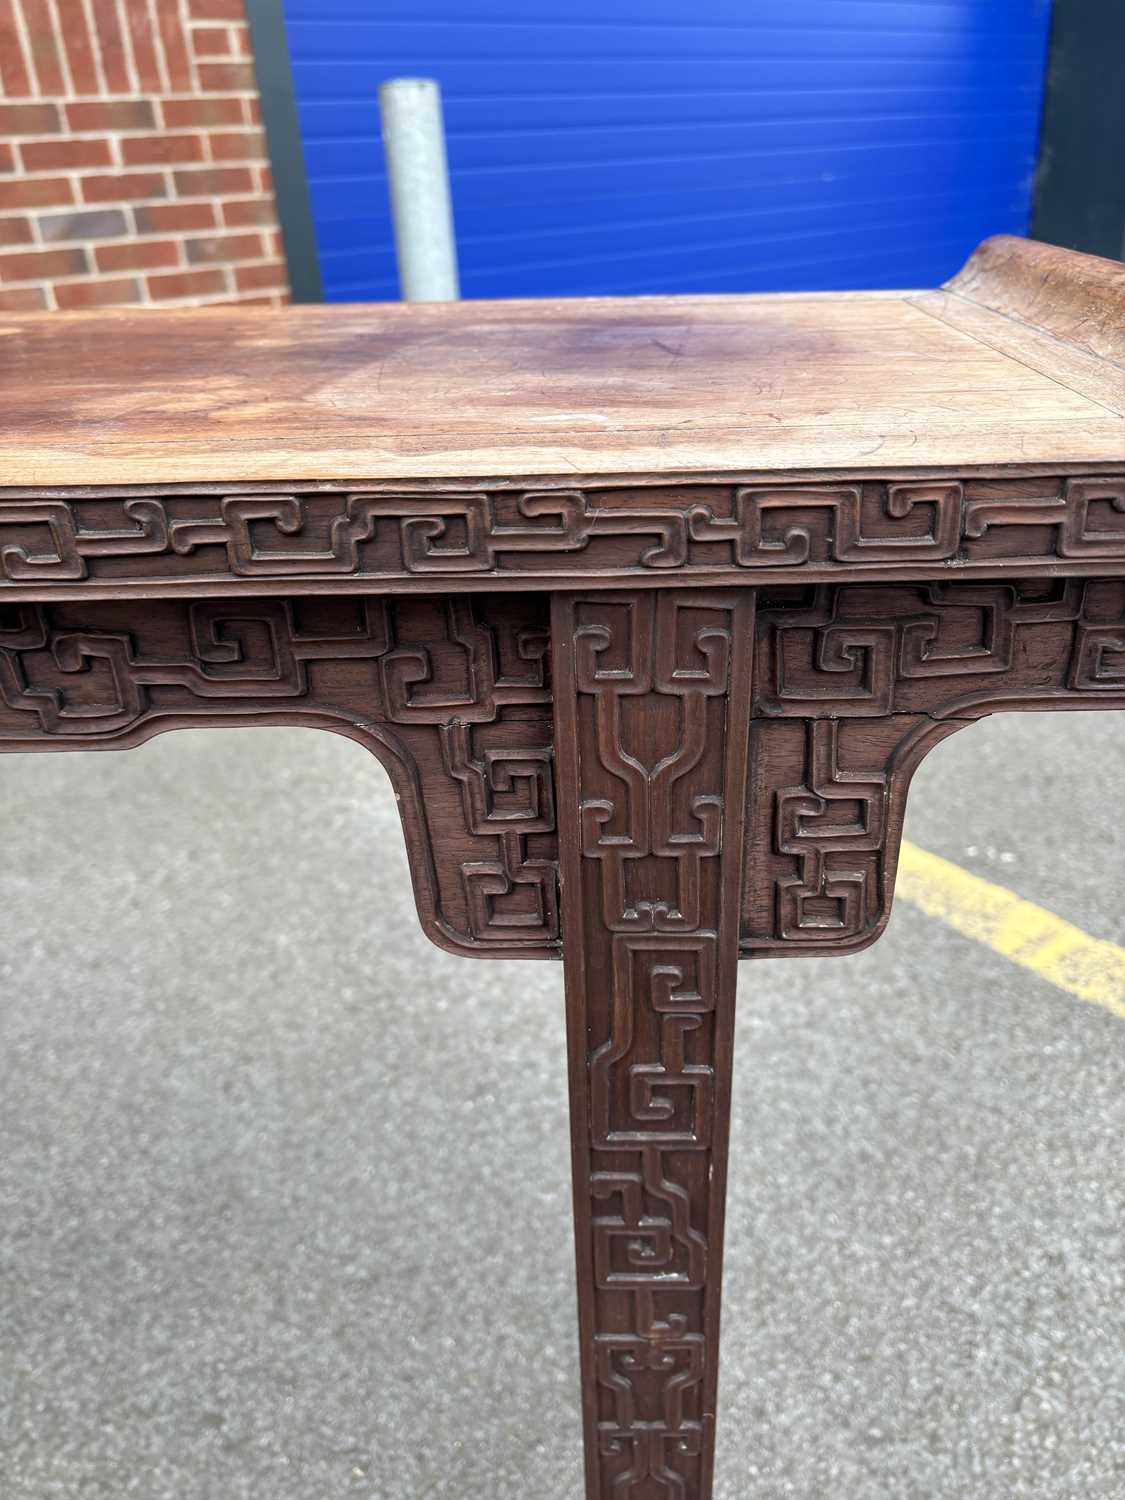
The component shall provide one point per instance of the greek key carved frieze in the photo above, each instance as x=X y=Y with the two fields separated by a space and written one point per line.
x=755 y=530
x=1072 y=516
x=652 y=722
x=853 y=685
x=453 y=696
x=899 y=648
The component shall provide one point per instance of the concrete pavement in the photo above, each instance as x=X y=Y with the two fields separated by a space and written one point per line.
x=283 y=1188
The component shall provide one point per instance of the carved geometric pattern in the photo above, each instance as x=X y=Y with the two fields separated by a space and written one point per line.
x=854 y=651
x=853 y=685
x=833 y=890
x=452 y=695
x=765 y=531
x=653 y=714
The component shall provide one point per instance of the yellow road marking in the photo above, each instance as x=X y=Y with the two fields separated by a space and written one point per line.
x=1035 y=939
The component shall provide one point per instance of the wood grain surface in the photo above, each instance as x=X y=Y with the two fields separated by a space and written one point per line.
x=627 y=386
x=1077 y=298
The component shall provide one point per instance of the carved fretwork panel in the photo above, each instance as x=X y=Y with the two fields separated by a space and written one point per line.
x=853 y=685
x=452 y=695
x=653 y=716
x=332 y=538
x=854 y=682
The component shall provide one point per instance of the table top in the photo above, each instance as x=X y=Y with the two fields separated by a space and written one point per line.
x=1018 y=362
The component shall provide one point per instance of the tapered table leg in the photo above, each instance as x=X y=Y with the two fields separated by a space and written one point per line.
x=652 y=716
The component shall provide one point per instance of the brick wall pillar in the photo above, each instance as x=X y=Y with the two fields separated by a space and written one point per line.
x=133 y=164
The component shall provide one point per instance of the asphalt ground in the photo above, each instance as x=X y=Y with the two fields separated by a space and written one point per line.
x=283 y=1188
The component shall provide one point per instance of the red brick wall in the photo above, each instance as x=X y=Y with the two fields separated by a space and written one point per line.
x=132 y=161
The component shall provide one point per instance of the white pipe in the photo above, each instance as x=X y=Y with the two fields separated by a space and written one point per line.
x=418 y=175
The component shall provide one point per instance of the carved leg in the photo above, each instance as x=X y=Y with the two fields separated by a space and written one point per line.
x=652 y=693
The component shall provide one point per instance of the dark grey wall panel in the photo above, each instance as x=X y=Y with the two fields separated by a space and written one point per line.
x=1080 y=189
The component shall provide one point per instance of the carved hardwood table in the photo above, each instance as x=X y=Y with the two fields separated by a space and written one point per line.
x=649 y=607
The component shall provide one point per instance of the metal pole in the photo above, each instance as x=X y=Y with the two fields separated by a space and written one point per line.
x=418 y=175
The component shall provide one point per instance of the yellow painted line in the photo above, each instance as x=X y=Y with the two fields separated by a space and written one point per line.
x=1035 y=939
